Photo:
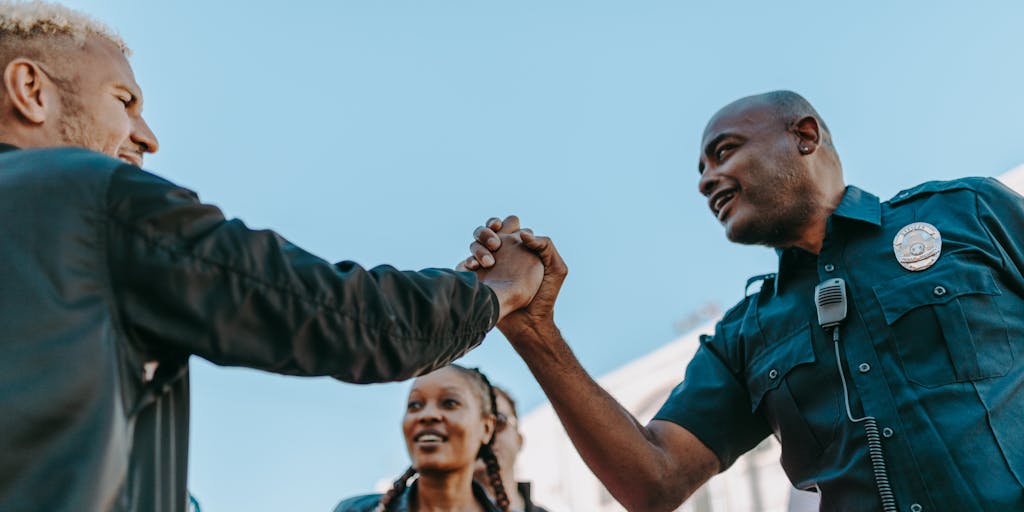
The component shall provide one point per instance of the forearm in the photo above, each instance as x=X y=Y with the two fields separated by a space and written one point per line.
x=186 y=280
x=621 y=452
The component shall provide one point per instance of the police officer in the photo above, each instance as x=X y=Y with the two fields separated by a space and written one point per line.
x=912 y=401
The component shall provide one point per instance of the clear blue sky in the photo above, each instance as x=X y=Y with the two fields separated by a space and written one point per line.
x=384 y=131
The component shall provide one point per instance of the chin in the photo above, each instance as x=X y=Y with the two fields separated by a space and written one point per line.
x=745 y=234
x=437 y=466
x=737 y=232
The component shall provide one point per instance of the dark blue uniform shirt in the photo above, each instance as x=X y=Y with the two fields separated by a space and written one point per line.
x=936 y=355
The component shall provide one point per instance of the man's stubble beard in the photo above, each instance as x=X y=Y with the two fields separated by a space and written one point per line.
x=783 y=209
x=74 y=128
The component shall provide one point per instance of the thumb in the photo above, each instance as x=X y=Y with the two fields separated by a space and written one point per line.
x=538 y=244
x=544 y=248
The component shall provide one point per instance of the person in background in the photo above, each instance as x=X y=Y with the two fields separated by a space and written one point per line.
x=449 y=424
x=508 y=442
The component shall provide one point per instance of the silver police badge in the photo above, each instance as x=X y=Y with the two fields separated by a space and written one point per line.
x=917 y=246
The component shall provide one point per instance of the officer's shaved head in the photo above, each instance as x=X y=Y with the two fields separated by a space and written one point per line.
x=787 y=108
x=769 y=170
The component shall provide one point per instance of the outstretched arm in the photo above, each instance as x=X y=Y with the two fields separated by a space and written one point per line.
x=646 y=468
x=188 y=281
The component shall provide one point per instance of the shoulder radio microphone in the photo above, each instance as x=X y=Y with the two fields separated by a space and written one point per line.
x=830 y=298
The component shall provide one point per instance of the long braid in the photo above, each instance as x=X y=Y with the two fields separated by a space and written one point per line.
x=487 y=451
x=494 y=474
x=396 y=489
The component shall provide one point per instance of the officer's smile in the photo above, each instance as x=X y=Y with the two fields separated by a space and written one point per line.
x=720 y=200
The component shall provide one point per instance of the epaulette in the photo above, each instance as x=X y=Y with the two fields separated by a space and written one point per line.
x=933 y=187
x=764 y=279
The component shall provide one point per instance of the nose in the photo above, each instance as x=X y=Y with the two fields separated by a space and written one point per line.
x=144 y=137
x=428 y=414
x=708 y=181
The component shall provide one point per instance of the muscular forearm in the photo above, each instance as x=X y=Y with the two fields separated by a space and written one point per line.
x=623 y=454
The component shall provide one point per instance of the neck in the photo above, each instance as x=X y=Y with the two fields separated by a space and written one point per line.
x=813 y=235
x=446 y=492
x=508 y=480
x=26 y=139
x=515 y=500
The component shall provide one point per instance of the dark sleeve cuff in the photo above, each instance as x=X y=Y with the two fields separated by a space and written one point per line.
x=495 y=306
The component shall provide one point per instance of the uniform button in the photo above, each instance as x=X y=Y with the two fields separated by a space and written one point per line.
x=887 y=432
x=829 y=267
x=773 y=374
x=864 y=367
x=916 y=507
x=939 y=291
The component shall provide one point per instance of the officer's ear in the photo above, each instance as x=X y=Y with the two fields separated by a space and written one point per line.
x=30 y=92
x=808 y=135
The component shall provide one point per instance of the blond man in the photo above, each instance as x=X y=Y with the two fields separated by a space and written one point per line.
x=113 y=277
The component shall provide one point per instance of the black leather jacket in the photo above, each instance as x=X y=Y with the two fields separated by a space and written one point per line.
x=106 y=268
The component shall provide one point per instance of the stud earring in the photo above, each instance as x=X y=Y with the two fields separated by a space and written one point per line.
x=805 y=150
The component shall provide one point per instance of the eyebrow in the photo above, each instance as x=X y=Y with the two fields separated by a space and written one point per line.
x=709 y=148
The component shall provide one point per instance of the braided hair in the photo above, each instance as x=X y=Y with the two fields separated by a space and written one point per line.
x=486 y=452
x=398 y=487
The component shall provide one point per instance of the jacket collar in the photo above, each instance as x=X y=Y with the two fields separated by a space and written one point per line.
x=856 y=205
x=405 y=502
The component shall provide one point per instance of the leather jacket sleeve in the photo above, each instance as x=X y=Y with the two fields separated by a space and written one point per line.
x=188 y=281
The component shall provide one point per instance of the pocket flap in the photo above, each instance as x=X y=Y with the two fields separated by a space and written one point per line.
x=903 y=294
x=771 y=366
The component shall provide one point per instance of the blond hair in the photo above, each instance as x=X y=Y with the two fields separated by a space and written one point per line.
x=22 y=23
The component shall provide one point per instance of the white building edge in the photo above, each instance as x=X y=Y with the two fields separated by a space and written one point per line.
x=755 y=483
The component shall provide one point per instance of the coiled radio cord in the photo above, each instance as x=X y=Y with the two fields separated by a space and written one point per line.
x=874 y=440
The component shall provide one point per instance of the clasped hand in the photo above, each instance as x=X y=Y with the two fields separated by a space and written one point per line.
x=505 y=257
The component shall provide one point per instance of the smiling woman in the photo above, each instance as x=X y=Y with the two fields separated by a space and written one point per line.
x=449 y=423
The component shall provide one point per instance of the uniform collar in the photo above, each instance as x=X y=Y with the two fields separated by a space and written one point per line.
x=856 y=205
x=860 y=206
x=7 y=147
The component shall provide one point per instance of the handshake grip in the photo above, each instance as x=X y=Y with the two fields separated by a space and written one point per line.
x=515 y=274
x=525 y=271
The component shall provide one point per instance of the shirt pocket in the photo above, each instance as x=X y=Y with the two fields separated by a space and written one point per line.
x=946 y=325
x=769 y=383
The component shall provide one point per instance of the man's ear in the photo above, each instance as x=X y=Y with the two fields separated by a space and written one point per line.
x=27 y=89
x=808 y=134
